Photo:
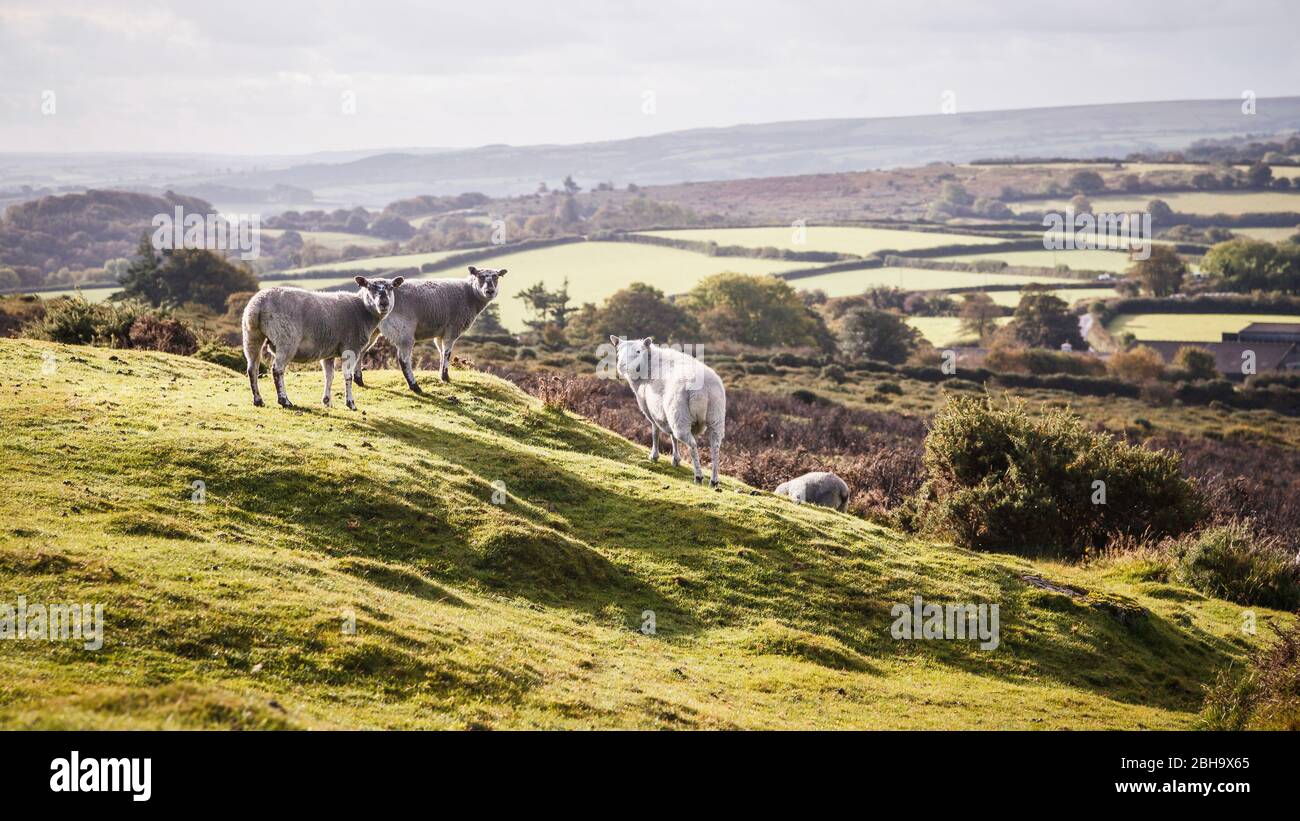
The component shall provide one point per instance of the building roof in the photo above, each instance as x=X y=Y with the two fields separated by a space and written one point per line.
x=1269 y=356
x=1271 y=328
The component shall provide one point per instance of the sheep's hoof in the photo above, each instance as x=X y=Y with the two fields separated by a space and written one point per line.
x=257 y=402
x=415 y=387
x=654 y=457
x=325 y=400
x=699 y=480
x=356 y=379
x=715 y=484
x=352 y=406
x=445 y=378
x=284 y=402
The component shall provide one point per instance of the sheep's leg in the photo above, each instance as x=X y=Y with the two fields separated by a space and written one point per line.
x=405 y=349
x=253 y=355
x=654 y=443
x=283 y=356
x=327 y=365
x=715 y=444
x=677 y=459
x=445 y=350
x=356 y=373
x=347 y=387
x=688 y=439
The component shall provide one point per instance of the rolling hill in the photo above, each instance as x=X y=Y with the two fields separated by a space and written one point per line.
x=230 y=609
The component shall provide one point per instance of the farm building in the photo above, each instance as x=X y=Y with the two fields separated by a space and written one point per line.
x=1266 y=332
x=1229 y=355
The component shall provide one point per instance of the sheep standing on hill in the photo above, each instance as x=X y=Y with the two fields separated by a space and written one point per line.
x=437 y=309
x=678 y=394
x=301 y=326
x=819 y=488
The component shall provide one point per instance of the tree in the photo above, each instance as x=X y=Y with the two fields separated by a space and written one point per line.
x=1042 y=320
x=1088 y=182
x=1196 y=363
x=1161 y=213
x=391 y=226
x=1161 y=274
x=979 y=315
x=571 y=187
x=1140 y=364
x=1254 y=265
x=1259 y=175
x=142 y=279
x=879 y=335
x=489 y=322
x=1081 y=204
x=754 y=310
x=546 y=307
x=566 y=213
x=639 y=310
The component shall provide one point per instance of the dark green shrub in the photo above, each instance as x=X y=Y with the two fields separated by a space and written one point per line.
x=154 y=333
x=227 y=356
x=1233 y=562
x=998 y=478
x=1266 y=696
x=834 y=373
x=891 y=388
x=76 y=321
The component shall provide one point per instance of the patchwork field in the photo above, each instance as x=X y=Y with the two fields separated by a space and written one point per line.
x=1188 y=327
x=1081 y=260
x=944 y=330
x=826 y=238
x=377 y=263
x=1268 y=234
x=1071 y=296
x=336 y=240
x=1188 y=202
x=847 y=283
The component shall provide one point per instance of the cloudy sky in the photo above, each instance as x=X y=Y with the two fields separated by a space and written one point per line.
x=289 y=77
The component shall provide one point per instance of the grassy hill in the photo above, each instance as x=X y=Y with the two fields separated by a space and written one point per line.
x=230 y=612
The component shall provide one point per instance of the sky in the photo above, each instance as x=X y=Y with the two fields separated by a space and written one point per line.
x=291 y=77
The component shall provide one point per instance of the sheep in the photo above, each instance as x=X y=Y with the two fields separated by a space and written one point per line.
x=438 y=309
x=301 y=326
x=819 y=488
x=678 y=394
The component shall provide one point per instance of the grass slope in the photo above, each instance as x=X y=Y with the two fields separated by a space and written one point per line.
x=229 y=613
x=1188 y=327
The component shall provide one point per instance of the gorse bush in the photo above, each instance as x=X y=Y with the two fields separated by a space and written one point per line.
x=1236 y=563
x=76 y=321
x=999 y=478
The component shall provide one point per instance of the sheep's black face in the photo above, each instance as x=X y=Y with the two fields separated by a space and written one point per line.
x=379 y=293
x=485 y=281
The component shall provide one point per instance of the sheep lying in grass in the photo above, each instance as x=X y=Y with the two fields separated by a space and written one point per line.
x=301 y=326
x=819 y=488
x=437 y=309
x=678 y=395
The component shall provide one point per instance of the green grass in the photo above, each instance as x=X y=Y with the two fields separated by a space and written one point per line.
x=1078 y=260
x=1071 y=295
x=827 y=238
x=848 y=283
x=378 y=263
x=944 y=330
x=1188 y=327
x=228 y=614
x=91 y=294
x=1268 y=234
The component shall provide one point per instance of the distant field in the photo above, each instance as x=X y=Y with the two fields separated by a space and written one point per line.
x=1188 y=327
x=336 y=240
x=831 y=239
x=1189 y=202
x=374 y=263
x=597 y=269
x=1071 y=296
x=1279 y=171
x=1084 y=260
x=943 y=330
x=1268 y=234
x=98 y=294
x=847 y=283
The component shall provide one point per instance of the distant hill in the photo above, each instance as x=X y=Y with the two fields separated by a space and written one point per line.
x=787 y=148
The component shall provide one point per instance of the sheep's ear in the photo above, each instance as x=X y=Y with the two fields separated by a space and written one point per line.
x=363 y=282
x=398 y=281
x=473 y=271
x=502 y=272
x=648 y=341
x=614 y=340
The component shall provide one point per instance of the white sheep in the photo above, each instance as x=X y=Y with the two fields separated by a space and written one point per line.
x=437 y=309
x=678 y=394
x=818 y=488
x=302 y=326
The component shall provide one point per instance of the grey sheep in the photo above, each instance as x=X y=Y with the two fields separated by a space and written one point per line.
x=818 y=488
x=437 y=309
x=678 y=394
x=302 y=326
